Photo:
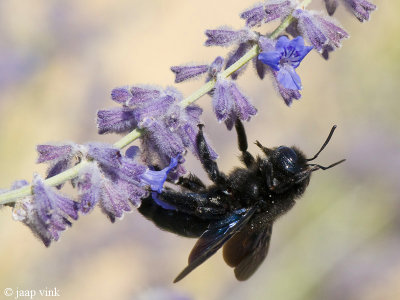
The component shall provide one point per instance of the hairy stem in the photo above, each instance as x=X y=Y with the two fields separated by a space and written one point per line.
x=11 y=196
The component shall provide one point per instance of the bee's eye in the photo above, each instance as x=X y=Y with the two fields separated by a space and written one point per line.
x=287 y=159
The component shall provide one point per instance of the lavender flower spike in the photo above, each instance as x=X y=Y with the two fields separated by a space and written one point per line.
x=360 y=8
x=284 y=59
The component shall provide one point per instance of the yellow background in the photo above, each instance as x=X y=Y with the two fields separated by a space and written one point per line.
x=59 y=61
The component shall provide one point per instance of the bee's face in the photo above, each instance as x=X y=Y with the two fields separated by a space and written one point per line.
x=287 y=166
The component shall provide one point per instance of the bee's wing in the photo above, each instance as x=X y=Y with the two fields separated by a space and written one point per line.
x=214 y=238
x=247 y=249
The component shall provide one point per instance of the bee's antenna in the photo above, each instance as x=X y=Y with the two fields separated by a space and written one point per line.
x=317 y=167
x=324 y=145
x=266 y=150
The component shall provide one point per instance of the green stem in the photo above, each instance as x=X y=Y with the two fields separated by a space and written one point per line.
x=71 y=173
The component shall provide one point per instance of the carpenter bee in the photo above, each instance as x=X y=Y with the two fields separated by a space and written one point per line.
x=239 y=209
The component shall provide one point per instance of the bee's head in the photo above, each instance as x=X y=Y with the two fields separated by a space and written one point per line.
x=290 y=166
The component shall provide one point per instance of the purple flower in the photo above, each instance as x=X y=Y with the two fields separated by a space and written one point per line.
x=360 y=8
x=114 y=198
x=162 y=138
x=121 y=94
x=168 y=128
x=89 y=183
x=53 y=152
x=130 y=170
x=114 y=193
x=225 y=36
x=60 y=157
x=142 y=94
x=320 y=31
x=107 y=155
x=267 y=12
x=156 y=179
x=46 y=213
x=167 y=131
x=229 y=103
x=136 y=102
x=244 y=38
x=284 y=59
x=183 y=73
x=155 y=108
x=116 y=120
x=26 y=212
x=134 y=95
x=288 y=95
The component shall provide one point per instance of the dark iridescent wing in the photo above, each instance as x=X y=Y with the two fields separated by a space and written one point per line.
x=214 y=238
x=247 y=249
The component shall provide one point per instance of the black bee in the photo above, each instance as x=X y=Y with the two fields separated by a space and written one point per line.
x=238 y=210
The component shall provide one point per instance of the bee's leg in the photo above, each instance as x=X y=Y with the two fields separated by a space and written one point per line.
x=209 y=165
x=246 y=157
x=191 y=182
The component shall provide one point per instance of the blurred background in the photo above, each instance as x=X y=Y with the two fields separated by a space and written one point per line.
x=59 y=61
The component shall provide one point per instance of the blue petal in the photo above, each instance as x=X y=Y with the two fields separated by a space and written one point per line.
x=289 y=79
x=300 y=51
x=283 y=42
x=304 y=52
x=271 y=59
x=156 y=179
x=297 y=43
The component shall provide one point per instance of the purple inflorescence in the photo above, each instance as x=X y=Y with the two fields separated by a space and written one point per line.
x=111 y=180
x=167 y=127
